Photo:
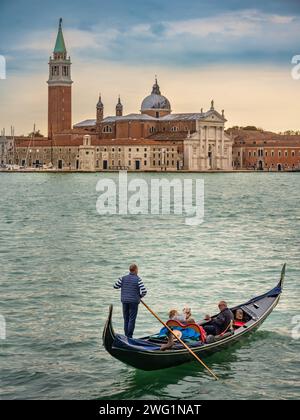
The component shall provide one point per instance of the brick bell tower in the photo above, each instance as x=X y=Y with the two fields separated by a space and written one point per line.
x=59 y=88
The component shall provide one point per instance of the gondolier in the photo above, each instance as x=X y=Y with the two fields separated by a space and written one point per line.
x=132 y=290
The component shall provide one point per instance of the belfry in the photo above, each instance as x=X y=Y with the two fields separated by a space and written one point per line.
x=59 y=88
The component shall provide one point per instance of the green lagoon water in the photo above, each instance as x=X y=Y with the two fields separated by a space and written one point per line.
x=59 y=259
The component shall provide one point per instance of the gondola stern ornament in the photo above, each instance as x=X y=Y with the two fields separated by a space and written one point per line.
x=282 y=276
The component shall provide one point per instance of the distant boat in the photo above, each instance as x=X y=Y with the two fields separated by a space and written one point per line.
x=145 y=353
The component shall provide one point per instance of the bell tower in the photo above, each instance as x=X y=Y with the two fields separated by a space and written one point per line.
x=119 y=108
x=99 y=113
x=59 y=87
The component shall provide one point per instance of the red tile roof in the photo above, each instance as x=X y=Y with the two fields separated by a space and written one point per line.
x=264 y=138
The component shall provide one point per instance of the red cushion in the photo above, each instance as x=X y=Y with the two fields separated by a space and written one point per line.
x=238 y=323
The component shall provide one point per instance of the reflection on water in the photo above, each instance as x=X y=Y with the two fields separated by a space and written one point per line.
x=60 y=259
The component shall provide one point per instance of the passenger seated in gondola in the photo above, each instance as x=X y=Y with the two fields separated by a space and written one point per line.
x=183 y=326
x=188 y=315
x=239 y=318
x=221 y=323
x=175 y=316
x=185 y=318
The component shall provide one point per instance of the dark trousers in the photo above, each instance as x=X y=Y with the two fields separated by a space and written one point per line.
x=130 y=311
x=210 y=329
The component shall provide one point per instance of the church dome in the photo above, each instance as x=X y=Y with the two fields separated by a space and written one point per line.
x=156 y=100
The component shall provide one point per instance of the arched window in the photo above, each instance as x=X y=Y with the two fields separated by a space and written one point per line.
x=107 y=129
x=152 y=129
x=174 y=128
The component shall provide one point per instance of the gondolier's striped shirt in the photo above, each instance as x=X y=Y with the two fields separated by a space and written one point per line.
x=132 y=288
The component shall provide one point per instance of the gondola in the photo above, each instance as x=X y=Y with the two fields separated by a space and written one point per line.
x=145 y=353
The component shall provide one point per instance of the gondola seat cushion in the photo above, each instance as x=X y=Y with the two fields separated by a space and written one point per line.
x=191 y=330
x=238 y=324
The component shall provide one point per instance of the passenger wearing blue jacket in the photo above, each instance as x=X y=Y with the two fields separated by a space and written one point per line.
x=132 y=290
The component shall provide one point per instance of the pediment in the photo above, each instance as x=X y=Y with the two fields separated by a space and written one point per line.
x=214 y=116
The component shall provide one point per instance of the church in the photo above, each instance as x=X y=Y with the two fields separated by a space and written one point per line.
x=153 y=139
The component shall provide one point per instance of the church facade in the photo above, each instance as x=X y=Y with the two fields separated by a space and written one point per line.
x=154 y=138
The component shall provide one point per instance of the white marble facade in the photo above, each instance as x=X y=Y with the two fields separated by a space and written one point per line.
x=209 y=148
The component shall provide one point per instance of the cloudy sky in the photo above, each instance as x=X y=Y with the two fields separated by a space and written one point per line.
x=238 y=53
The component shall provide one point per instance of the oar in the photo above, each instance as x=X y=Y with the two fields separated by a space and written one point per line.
x=179 y=339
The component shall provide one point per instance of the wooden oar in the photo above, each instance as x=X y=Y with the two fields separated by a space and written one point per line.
x=179 y=339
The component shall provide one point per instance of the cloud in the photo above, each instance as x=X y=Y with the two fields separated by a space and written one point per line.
x=238 y=36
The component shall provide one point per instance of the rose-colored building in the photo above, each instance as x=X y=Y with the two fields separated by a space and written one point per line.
x=261 y=150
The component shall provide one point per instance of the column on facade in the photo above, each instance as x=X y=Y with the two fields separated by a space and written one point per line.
x=206 y=147
x=200 y=148
x=222 y=157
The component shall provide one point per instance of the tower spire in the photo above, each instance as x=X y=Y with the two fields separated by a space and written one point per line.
x=60 y=46
x=100 y=103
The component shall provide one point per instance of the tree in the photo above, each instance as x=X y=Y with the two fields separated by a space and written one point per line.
x=35 y=134
x=250 y=127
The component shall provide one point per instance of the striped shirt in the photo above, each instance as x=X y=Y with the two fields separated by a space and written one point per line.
x=132 y=288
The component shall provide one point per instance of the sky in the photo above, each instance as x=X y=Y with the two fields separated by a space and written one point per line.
x=236 y=52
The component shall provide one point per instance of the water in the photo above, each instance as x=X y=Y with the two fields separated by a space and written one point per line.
x=59 y=259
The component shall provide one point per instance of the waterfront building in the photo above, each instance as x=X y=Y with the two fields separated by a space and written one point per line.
x=6 y=149
x=261 y=150
x=200 y=135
